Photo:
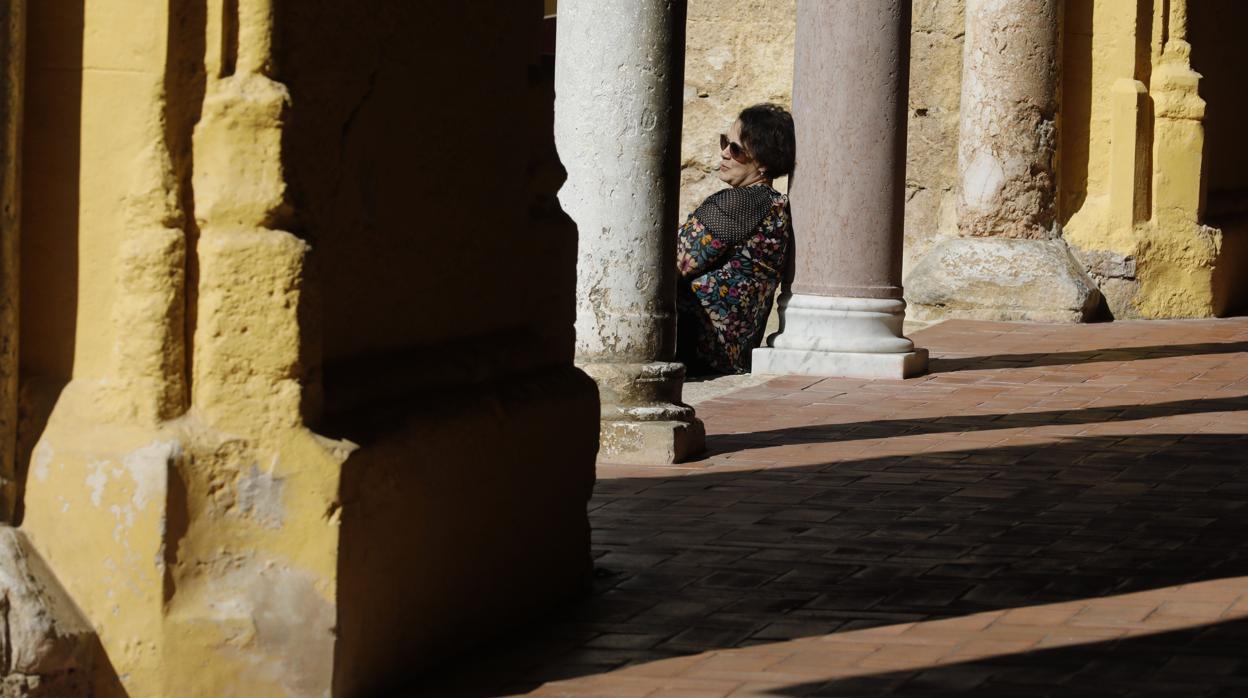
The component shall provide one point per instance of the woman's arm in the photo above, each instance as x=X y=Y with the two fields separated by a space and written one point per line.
x=697 y=250
x=725 y=220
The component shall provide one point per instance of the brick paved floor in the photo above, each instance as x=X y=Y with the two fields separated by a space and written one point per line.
x=1054 y=510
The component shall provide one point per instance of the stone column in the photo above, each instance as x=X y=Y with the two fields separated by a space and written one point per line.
x=12 y=70
x=849 y=99
x=1007 y=262
x=619 y=73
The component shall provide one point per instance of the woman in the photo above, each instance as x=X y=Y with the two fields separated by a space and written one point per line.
x=730 y=253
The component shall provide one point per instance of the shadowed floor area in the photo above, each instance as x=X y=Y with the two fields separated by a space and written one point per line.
x=1055 y=510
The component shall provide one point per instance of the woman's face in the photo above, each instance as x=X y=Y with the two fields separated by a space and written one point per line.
x=740 y=169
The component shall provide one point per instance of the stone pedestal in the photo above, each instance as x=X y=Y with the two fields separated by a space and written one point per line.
x=849 y=97
x=49 y=647
x=618 y=83
x=1001 y=279
x=1008 y=262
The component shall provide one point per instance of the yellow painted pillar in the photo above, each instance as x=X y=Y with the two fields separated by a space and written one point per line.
x=194 y=525
x=98 y=497
x=1177 y=255
x=1179 y=138
x=247 y=341
x=217 y=545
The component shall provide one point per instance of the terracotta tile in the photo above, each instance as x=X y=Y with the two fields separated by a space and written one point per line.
x=904 y=657
x=1042 y=616
x=1054 y=486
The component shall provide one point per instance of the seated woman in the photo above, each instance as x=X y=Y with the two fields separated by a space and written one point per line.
x=730 y=253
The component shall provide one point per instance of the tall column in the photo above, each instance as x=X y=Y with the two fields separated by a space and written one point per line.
x=849 y=100
x=619 y=74
x=12 y=70
x=1007 y=262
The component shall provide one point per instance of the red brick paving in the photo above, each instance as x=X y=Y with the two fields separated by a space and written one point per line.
x=1054 y=510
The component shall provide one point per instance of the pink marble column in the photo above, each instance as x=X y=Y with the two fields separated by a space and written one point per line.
x=849 y=99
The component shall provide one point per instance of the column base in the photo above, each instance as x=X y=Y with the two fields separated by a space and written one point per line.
x=650 y=443
x=845 y=337
x=843 y=364
x=1001 y=279
x=643 y=420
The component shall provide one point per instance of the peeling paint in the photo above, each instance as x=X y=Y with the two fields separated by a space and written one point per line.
x=290 y=643
x=148 y=468
x=260 y=497
x=96 y=481
x=42 y=459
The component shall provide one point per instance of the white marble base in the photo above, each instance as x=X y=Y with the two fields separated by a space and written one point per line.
x=834 y=336
x=785 y=362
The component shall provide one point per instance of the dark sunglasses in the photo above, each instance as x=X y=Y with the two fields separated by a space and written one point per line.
x=736 y=150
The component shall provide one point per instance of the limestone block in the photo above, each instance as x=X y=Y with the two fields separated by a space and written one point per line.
x=936 y=70
x=650 y=443
x=938 y=16
x=932 y=142
x=1000 y=279
x=1120 y=297
x=47 y=642
x=930 y=215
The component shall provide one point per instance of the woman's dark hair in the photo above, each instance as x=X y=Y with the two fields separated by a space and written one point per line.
x=767 y=133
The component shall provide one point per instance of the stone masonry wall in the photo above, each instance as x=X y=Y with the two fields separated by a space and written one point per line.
x=738 y=53
x=932 y=141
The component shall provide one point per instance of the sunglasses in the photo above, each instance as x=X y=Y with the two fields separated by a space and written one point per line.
x=736 y=150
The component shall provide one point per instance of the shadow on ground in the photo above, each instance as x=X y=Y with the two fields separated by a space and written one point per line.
x=733 y=559
x=888 y=428
x=950 y=364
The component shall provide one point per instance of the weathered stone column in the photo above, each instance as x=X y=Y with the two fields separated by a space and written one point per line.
x=849 y=99
x=1008 y=261
x=12 y=71
x=619 y=76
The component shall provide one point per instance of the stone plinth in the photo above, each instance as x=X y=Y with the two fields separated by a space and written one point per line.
x=1001 y=279
x=834 y=336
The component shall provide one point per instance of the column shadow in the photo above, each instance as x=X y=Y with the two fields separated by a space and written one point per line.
x=734 y=559
x=718 y=444
x=946 y=364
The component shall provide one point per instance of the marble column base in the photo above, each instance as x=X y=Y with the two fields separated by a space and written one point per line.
x=644 y=421
x=847 y=337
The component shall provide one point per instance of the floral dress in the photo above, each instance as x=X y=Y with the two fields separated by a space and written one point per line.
x=730 y=256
